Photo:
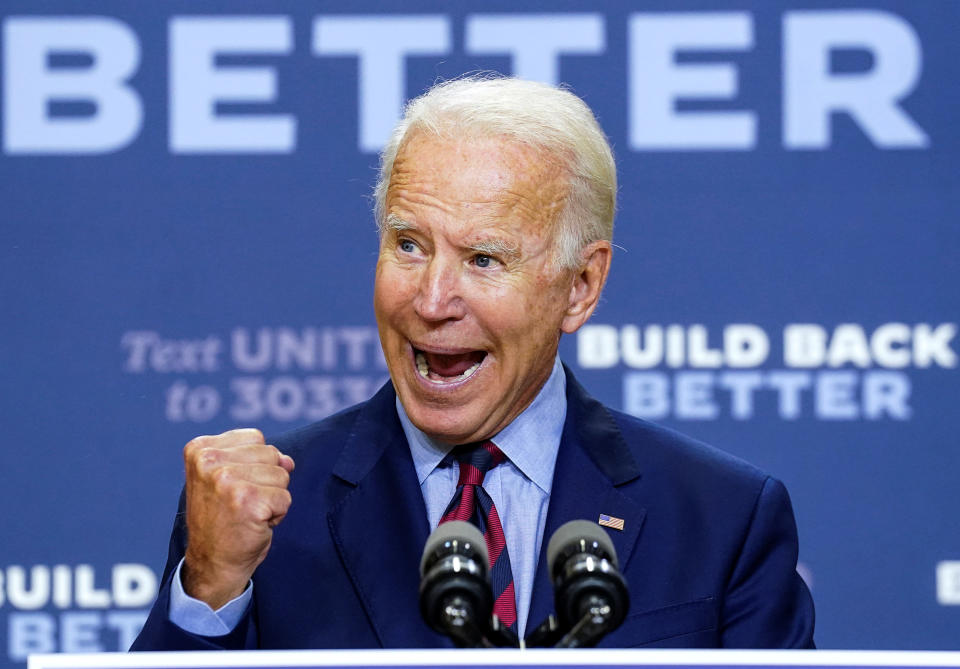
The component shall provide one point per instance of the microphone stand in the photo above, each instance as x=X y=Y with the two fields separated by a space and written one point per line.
x=586 y=632
x=591 y=627
x=458 y=621
x=501 y=636
x=459 y=624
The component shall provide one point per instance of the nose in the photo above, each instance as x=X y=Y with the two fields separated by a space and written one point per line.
x=438 y=296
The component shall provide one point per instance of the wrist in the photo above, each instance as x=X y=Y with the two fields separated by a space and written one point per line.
x=212 y=584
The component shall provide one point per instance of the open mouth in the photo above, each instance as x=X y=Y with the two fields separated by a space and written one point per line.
x=447 y=367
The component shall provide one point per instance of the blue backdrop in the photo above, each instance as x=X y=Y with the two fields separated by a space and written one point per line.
x=187 y=246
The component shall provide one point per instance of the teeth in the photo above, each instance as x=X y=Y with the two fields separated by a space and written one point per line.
x=424 y=370
x=469 y=370
x=422 y=366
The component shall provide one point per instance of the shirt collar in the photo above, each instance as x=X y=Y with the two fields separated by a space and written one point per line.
x=530 y=441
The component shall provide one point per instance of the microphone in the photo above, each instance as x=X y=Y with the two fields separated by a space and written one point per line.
x=455 y=594
x=590 y=594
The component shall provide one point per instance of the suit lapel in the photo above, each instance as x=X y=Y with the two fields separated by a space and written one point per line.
x=592 y=463
x=379 y=527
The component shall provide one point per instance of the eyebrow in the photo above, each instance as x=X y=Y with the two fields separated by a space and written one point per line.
x=496 y=247
x=487 y=247
x=397 y=224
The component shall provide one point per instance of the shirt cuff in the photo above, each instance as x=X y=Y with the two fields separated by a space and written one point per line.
x=196 y=617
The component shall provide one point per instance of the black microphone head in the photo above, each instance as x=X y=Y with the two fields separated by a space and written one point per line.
x=454 y=538
x=587 y=582
x=455 y=595
x=579 y=536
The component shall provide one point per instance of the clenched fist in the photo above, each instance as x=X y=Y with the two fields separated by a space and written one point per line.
x=236 y=494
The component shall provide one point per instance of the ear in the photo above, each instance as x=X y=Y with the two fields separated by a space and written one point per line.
x=587 y=285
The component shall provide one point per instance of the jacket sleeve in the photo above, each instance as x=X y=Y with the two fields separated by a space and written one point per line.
x=767 y=604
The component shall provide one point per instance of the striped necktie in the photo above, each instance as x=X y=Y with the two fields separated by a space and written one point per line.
x=472 y=504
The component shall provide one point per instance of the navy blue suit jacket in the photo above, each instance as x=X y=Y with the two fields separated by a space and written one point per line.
x=708 y=549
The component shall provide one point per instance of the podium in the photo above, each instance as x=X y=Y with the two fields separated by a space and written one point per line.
x=504 y=658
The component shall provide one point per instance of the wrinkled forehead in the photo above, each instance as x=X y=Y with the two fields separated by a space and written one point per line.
x=479 y=167
x=476 y=184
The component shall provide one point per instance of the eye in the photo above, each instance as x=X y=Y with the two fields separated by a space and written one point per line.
x=407 y=246
x=483 y=261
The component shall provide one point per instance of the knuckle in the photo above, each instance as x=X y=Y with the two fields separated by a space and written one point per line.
x=222 y=474
x=223 y=479
x=209 y=457
x=194 y=445
x=239 y=496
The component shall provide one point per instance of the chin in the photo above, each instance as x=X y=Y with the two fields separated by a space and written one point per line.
x=447 y=425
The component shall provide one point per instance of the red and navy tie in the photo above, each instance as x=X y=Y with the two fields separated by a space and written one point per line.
x=472 y=504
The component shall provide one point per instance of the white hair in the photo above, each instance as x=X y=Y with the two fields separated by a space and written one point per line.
x=545 y=117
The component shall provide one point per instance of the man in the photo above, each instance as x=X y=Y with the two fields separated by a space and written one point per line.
x=495 y=205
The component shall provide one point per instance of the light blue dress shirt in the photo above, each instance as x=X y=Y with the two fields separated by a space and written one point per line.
x=519 y=487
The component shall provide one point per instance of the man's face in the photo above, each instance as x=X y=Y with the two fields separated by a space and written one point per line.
x=469 y=304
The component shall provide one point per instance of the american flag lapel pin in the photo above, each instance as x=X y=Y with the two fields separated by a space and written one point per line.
x=611 y=521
